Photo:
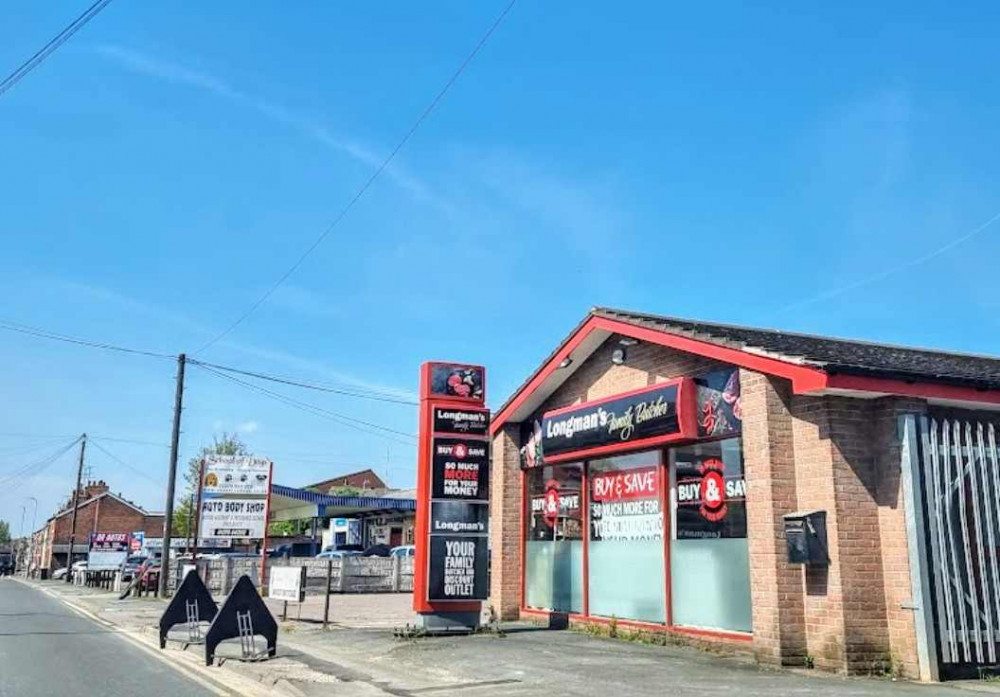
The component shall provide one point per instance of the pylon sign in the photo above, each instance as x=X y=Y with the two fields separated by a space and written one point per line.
x=453 y=492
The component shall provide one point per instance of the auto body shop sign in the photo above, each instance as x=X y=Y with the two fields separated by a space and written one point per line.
x=235 y=491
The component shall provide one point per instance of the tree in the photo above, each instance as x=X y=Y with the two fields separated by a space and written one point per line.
x=4 y=532
x=227 y=444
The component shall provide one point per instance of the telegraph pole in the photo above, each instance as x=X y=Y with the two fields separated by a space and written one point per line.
x=76 y=507
x=175 y=437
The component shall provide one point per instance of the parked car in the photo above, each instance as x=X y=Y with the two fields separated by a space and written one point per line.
x=378 y=550
x=59 y=573
x=79 y=568
x=403 y=551
x=337 y=553
x=132 y=564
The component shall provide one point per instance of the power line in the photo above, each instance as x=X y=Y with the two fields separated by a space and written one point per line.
x=11 y=482
x=94 y=441
x=361 y=394
x=368 y=183
x=350 y=422
x=45 y=334
x=49 y=48
x=104 y=438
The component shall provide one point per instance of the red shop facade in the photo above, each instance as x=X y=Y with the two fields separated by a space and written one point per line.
x=635 y=509
x=651 y=473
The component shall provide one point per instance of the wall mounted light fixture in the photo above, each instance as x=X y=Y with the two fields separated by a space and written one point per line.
x=618 y=356
x=566 y=362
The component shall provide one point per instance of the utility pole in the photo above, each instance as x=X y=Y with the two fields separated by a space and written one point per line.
x=175 y=437
x=76 y=507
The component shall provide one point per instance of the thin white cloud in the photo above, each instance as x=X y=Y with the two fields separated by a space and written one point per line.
x=303 y=301
x=74 y=290
x=176 y=73
x=248 y=427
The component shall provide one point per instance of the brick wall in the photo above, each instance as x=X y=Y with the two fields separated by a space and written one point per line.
x=769 y=467
x=646 y=364
x=505 y=523
x=829 y=453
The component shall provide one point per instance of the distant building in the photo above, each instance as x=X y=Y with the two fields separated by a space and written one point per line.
x=365 y=480
x=99 y=510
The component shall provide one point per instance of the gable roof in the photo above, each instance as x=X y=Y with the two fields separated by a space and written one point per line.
x=363 y=479
x=814 y=364
x=101 y=496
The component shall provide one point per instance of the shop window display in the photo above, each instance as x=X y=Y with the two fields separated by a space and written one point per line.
x=709 y=561
x=626 y=538
x=554 y=544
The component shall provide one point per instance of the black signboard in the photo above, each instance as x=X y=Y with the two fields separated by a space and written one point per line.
x=631 y=417
x=458 y=568
x=470 y=422
x=459 y=517
x=460 y=469
x=457 y=381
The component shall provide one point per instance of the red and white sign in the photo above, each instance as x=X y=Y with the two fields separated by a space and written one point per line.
x=642 y=483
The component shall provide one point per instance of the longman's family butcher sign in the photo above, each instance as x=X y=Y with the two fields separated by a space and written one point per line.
x=659 y=413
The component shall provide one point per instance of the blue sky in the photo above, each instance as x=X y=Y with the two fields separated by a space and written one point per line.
x=767 y=165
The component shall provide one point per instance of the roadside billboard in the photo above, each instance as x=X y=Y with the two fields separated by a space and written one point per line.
x=235 y=491
x=108 y=550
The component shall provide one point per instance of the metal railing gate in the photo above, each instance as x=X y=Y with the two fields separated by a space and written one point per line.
x=960 y=468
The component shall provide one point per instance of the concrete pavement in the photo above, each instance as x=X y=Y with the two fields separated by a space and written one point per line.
x=46 y=649
x=362 y=659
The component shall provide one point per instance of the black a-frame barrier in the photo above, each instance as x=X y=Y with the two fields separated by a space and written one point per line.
x=243 y=615
x=191 y=603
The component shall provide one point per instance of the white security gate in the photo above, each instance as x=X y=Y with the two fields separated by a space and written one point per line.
x=961 y=490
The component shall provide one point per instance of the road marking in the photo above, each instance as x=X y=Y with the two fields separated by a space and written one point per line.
x=209 y=682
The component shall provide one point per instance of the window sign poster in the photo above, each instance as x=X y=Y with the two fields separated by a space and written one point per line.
x=230 y=475
x=556 y=508
x=241 y=518
x=626 y=505
x=711 y=498
x=460 y=469
x=718 y=399
x=457 y=568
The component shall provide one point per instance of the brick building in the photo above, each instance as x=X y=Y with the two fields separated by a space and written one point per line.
x=365 y=480
x=99 y=511
x=644 y=473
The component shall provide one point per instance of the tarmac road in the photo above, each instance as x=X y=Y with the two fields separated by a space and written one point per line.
x=48 y=650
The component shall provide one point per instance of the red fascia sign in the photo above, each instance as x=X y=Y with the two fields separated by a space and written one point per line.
x=453 y=474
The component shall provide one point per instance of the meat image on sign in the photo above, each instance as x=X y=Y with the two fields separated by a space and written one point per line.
x=460 y=469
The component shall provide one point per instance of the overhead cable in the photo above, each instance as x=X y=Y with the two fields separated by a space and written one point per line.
x=364 y=187
x=53 y=44
x=350 y=422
